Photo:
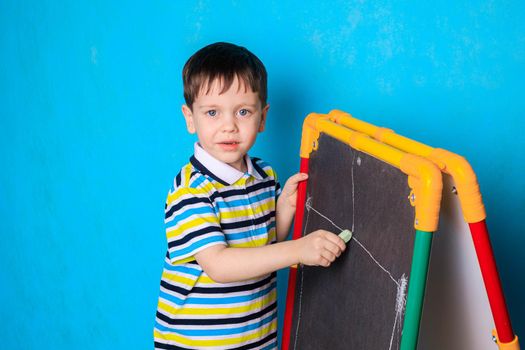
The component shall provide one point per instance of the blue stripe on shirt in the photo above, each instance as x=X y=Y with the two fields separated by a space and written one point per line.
x=190 y=250
x=250 y=233
x=244 y=202
x=217 y=300
x=171 y=298
x=182 y=269
x=229 y=300
x=196 y=183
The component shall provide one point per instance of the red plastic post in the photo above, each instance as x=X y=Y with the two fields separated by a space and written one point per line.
x=292 y=277
x=489 y=271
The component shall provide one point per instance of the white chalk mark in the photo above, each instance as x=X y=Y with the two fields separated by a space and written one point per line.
x=401 y=292
x=299 y=312
x=400 y=306
x=309 y=207
x=302 y=284
x=307 y=216
x=377 y=262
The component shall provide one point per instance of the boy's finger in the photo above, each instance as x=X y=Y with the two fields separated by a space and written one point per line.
x=324 y=262
x=297 y=178
x=337 y=241
x=328 y=255
x=333 y=248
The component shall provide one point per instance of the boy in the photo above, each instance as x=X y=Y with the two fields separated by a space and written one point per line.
x=225 y=215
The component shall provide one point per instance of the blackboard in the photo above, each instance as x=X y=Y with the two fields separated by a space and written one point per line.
x=359 y=301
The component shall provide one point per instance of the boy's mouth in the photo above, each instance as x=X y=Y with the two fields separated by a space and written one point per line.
x=229 y=145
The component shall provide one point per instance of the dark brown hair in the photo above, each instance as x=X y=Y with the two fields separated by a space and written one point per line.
x=223 y=61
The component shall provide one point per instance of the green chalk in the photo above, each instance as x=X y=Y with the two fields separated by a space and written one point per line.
x=346 y=235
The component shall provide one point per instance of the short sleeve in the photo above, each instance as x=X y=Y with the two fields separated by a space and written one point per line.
x=191 y=224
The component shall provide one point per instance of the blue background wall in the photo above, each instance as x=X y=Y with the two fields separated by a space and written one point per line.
x=91 y=133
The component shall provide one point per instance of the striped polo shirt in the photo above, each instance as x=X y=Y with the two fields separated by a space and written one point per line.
x=212 y=203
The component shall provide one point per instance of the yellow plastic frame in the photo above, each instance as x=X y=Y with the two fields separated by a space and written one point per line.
x=448 y=162
x=424 y=177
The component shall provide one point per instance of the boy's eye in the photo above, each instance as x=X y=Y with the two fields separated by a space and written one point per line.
x=244 y=112
x=212 y=113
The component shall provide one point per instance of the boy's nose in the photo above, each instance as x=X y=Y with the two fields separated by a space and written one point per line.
x=229 y=124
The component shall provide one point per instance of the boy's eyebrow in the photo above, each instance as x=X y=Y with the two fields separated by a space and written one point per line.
x=208 y=106
x=252 y=105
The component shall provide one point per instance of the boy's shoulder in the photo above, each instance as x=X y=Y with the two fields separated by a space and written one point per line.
x=189 y=177
x=189 y=181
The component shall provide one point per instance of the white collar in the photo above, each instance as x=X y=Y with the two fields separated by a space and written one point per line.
x=223 y=171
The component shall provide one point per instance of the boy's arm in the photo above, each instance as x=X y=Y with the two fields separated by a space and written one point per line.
x=224 y=264
x=285 y=208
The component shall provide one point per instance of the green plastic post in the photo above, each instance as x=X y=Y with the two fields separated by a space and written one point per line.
x=416 y=289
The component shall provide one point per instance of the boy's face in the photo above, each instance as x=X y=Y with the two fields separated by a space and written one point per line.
x=227 y=124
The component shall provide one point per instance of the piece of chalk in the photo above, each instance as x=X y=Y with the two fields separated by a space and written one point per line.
x=346 y=235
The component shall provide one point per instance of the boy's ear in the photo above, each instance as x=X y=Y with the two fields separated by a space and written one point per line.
x=263 y=117
x=188 y=116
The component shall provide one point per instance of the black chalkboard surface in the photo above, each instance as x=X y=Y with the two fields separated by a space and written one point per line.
x=358 y=302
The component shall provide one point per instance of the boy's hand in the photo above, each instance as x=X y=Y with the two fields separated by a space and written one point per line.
x=320 y=248
x=288 y=195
